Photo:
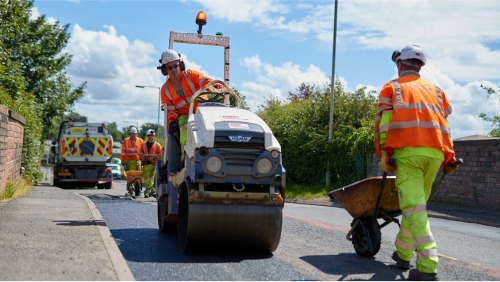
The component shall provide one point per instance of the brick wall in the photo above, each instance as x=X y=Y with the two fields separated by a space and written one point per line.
x=476 y=182
x=11 y=144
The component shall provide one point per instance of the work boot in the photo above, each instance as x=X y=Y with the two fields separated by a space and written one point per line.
x=402 y=264
x=416 y=275
x=146 y=195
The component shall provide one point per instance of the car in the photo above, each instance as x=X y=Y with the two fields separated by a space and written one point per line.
x=115 y=170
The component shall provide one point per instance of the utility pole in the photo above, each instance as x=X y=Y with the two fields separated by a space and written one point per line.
x=327 y=177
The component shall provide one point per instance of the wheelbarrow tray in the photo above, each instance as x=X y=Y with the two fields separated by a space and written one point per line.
x=359 y=198
x=134 y=176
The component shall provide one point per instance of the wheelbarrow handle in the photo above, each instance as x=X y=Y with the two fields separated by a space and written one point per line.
x=392 y=162
x=434 y=188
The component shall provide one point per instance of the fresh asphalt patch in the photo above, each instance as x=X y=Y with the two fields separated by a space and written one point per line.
x=152 y=255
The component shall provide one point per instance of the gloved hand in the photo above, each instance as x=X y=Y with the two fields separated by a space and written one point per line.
x=385 y=162
x=170 y=121
x=218 y=86
x=162 y=107
x=450 y=169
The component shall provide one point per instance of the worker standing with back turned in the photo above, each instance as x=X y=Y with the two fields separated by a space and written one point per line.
x=130 y=155
x=412 y=128
x=150 y=153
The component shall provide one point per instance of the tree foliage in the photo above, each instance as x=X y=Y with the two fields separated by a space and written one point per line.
x=301 y=126
x=34 y=50
x=232 y=100
x=495 y=120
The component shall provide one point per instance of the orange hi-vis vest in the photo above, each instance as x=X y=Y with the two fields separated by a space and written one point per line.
x=419 y=111
x=154 y=152
x=129 y=152
x=177 y=105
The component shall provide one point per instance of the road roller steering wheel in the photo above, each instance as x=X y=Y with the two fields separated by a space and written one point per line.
x=218 y=98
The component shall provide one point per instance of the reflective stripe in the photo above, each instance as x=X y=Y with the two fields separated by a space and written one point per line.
x=418 y=106
x=419 y=123
x=385 y=100
x=377 y=136
x=427 y=253
x=379 y=117
x=447 y=111
x=405 y=233
x=419 y=208
x=404 y=245
x=189 y=82
x=383 y=107
x=397 y=92
x=439 y=97
x=181 y=104
x=171 y=108
x=384 y=128
x=423 y=240
x=173 y=113
x=203 y=80
x=165 y=89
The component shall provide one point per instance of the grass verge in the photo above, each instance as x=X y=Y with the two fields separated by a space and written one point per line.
x=307 y=191
x=15 y=189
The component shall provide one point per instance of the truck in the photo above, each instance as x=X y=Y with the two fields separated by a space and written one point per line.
x=81 y=153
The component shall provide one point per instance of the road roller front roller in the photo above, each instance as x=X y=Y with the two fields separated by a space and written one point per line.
x=228 y=190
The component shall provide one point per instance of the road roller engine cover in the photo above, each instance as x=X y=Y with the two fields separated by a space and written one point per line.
x=229 y=188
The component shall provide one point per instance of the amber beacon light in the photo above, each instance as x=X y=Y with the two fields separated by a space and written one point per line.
x=201 y=20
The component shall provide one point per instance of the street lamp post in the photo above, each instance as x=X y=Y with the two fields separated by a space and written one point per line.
x=327 y=177
x=159 y=95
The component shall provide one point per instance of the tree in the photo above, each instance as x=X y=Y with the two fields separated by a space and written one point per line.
x=113 y=130
x=495 y=121
x=304 y=91
x=32 y=49
x=232 y=100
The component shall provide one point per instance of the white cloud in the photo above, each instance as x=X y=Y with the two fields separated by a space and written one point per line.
x=277 y=81
x=34 y=13
x=112 y=66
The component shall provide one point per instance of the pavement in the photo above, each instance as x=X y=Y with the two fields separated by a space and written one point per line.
x=437 y=210
x=54 y=234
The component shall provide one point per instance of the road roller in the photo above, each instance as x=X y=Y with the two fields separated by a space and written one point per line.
x=226 y=188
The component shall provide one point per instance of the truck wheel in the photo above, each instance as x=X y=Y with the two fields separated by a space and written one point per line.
x=101 y=186
x=107 y=185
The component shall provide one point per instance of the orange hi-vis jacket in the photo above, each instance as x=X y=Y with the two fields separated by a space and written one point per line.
x=154 y=152
x=177 y=105
x=129 y=152
x=419 y=111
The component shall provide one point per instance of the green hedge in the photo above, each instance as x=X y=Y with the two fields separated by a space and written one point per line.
x=301 y=127
x=33 y=148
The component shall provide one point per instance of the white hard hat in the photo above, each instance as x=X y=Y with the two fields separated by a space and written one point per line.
x=133 y=130
x=169 y=56
x=150 y=132
x=409 y=52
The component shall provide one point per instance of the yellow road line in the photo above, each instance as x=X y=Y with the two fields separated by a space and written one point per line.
x=447 y=257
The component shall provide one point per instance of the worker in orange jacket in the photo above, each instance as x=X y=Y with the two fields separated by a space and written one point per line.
x=130 y=155
x=412 y=127
x=150 y=153
x=181 y=85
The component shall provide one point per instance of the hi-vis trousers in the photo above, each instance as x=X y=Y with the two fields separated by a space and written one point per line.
x=414 y=178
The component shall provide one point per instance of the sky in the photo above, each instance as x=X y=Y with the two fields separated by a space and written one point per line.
x=277 y=45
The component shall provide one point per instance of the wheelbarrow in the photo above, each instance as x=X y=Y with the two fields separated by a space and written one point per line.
x=135 y=179
x=369 y=200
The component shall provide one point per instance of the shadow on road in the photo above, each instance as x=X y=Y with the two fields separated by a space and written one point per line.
x=349 y=264
x=80 y=222
x=150 y=245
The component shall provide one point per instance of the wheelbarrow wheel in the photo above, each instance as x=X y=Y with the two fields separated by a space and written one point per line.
x=363 y=236
x=138 y=188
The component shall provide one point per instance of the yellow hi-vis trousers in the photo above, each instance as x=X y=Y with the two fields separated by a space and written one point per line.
x=132 y=166
x=414 y=178
x=149 y=172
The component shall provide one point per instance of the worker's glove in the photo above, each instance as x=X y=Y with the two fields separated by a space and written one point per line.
x=450 y=169
x=162 y=107
x=172 y=123
x=218 y=86
x=385 y=162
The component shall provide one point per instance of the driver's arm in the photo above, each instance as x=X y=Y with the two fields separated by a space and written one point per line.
x=199 y=80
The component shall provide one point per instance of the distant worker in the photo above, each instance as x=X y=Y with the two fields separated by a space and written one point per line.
x=412 y=128
x=130 y=155
x=150 y=153
x=181 y=85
